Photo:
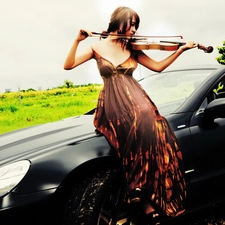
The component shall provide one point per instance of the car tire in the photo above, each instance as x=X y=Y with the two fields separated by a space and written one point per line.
x=97 y=201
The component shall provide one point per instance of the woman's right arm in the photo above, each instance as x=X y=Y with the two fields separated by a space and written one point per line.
x=72 y=59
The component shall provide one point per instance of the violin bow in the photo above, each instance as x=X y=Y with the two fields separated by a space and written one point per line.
x=136 y=36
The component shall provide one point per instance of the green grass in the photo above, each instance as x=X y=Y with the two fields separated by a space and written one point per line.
x=20 y=110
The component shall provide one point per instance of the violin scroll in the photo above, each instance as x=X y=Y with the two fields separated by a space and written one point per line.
x=208 y=49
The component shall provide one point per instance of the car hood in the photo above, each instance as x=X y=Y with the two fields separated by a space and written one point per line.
x=31 y=140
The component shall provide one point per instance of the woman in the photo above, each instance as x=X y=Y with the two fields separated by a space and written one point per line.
x=130 y=121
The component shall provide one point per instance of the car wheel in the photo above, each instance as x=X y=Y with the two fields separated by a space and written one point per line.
x=98 y=201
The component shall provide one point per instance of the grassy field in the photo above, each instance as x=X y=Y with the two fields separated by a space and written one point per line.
x=24 y=109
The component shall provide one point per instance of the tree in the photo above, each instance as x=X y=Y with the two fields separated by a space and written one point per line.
x=68 y=83
x=221 y=58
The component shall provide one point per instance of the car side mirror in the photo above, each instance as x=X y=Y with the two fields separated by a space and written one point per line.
x=215 y=109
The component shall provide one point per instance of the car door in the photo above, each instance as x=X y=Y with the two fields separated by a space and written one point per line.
x=208 y=139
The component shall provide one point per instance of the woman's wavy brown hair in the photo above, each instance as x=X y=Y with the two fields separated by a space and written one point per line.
x=119 y=22
x=120 y=18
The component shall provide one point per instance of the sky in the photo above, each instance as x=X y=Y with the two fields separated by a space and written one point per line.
x=35 y=36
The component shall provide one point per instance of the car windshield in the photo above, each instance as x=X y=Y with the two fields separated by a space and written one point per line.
x=169 y=90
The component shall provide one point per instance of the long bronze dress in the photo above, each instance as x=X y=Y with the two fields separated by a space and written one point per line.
x=130 y=121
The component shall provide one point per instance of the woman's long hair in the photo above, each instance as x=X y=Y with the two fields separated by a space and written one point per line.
x=119 y=21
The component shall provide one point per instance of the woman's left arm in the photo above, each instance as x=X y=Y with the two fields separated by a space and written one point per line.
x=151 y=64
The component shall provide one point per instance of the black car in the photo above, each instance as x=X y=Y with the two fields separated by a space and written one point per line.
x=67 y=173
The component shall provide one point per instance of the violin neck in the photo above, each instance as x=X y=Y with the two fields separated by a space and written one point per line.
x=206 y=49
x=180 y=43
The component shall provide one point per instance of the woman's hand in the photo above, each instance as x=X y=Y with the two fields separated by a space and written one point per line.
x=189 y=45
x=83 y=34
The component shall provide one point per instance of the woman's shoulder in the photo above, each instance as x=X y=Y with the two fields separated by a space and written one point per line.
x=98 y=44
x=96 y=48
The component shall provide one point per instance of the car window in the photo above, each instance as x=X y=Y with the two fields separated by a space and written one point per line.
x=169 y=90
x=218 y=91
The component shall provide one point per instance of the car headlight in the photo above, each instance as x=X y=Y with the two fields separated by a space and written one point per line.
x=11 y=175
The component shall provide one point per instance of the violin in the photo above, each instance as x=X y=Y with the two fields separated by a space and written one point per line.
x=139 y=42
x=165 y=46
